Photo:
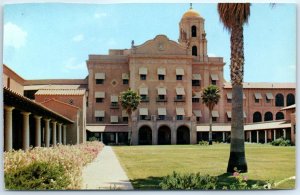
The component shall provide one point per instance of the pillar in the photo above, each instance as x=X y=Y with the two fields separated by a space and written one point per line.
x=117 y=138
x=25 y=130
x=284 y=133
x=64 y=134
x=223 y=136
x=54 y=133
x=250 y=138
x=173 y=136
x=266 y=137
x=274 y=135
x=101 y=136
x=47 y=132
x=59 y=133
x=8 y=128
x=37 y=131
x=257 y=136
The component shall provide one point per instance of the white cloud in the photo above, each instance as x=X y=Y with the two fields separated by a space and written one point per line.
x=72 y=64
x=78 y=38
x=100 y=15
x=14 y=36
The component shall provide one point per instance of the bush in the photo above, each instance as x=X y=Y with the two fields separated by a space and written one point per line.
x=281 y=142
x=91 y=139
x=192 y=181
x=37 y=176
x=203 y=143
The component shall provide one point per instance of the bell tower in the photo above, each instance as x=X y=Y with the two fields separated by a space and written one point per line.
x=192 y=34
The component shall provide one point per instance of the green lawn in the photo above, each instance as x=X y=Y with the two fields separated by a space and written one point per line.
x=146 y=165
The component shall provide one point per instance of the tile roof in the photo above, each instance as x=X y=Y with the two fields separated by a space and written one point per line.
x=60 y=92
x=37 y=87
x=107 y=128
x=253 y=85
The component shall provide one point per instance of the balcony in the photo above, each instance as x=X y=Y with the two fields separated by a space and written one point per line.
x=145 y=99
x=114 y=106
x=158 y=99
x=179 y=99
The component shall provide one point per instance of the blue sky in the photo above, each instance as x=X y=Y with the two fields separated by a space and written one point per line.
x=43 y=41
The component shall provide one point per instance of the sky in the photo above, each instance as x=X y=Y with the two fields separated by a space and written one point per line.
x=53 y=41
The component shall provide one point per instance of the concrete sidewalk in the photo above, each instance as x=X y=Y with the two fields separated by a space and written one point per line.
x=105 y=173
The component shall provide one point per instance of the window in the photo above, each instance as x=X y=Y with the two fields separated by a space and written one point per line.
x=143 y=77
x=228 y=100
x=214 y=119
x=198 y=118
x=213 y=82
x=257 y=117
x=179 y=117
x=179 y=97
x=195 y=82
x=195 y=100
x=161 y=77
x=268 y=116
x=161 y=117
x=125 y=119
x=194 y=51
x=228 y=119
x=194 y=31
x=99 y=119
x=99 y=81
x=143 y=117
x=290 y=99
x=256 y=100
x=178 y=77
x=161 y=97
x=268 y=100
x=144 y=98
x=279 y=100
x=125 y=81
x=99 y=100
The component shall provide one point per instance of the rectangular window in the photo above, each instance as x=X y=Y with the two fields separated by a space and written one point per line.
x=161 y=77
x=268 y=100
x=195 y=100
x=125 y=119
x=99 y=100
x=161 y=97
x=195 y=82
x=228 y=119
x=143 y=117
x=179 y=117
x=213 y=82
x=143 y=76
x=256 y=100
x=214 y=119
x=99 y=81
x=99 y=119
x=179 y=97
x=178 y=77
x=228 y=100
x=161 y=117
x=125 y=81
x=198 y=119
x=144 y=98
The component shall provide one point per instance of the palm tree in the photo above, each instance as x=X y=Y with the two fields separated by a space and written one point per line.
x=210 y=97
x=234 y=16
x=130 y=100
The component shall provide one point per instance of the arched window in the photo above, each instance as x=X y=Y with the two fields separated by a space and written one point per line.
x=290 y=99
x=256 y=117
x=194 y=50
x=279 y=100
x=268 y=116
x=194 y=31
x=279 y=116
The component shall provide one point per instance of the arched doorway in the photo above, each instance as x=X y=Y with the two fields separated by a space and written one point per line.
x=256 y=117
x=164 y=135
x=290 y=99
x=279 y=116
x=279 y=100
x=183 y=135
x=145 y=135
x=268 y=116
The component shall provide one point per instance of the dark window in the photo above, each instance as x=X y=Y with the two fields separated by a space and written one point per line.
x=256 y=100
x=194 y=51
x=114 y=104
x=125 y=81
x=99 y=81
x=161 y=117
x=279 y=116
x=143 y=77
x=257 y=117
x=214 y=119
x=8 y=82
x=179 y=117
x=143 y=117
x=213 y=82
x=268 y=116
x=195 y=82
x=99 y=119
x=228 y=119
x=99 y=100
x=178 y=77
x=279 y=100
x=125 y=119
x=268 y=100
x=144 y=98
x=229 y=100
x=161 y=77
x=195 y=100
x=290 y=99
x=194 y=31
x=198 y=118
x=179 y=97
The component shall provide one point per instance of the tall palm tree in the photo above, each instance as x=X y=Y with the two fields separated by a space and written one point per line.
x=210 y=97
x=234 y=16
x=130 y=100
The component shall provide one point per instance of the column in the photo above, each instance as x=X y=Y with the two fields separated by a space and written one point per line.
x=8 y=128
x=250 y=137
x=266 y=137
x=257 y=136
x=117 y=138
x=101 y=136
x=47 y=132
x=64 y=134
x=59 y=133
x=37 y=130
x=223 y=136
x=54 y=133
x=274 y=134
x=25 y=130
x=284 y=133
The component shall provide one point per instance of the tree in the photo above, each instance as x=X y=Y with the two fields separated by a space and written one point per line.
x=130 y=100
x=234 y=16
x=210 y=97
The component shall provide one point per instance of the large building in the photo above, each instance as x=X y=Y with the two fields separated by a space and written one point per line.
x=169 y=76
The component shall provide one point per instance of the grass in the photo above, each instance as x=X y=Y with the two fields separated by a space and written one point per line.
x=146 y=165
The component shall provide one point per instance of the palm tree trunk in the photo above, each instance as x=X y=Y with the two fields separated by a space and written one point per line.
x=237 y=143
x=210 y=128
x=129 y=129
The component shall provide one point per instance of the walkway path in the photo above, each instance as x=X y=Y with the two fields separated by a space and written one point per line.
x=105 y=172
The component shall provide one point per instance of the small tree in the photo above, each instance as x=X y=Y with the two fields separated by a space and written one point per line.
x=130 y=100
x=210 y=97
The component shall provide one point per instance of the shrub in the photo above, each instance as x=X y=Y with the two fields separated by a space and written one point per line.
x=203 y=143
x=281 y=142
x=37 y=176
x=91 y=139
x=192 y=181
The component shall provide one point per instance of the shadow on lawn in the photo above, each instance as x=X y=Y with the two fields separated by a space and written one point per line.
x=152 y=183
